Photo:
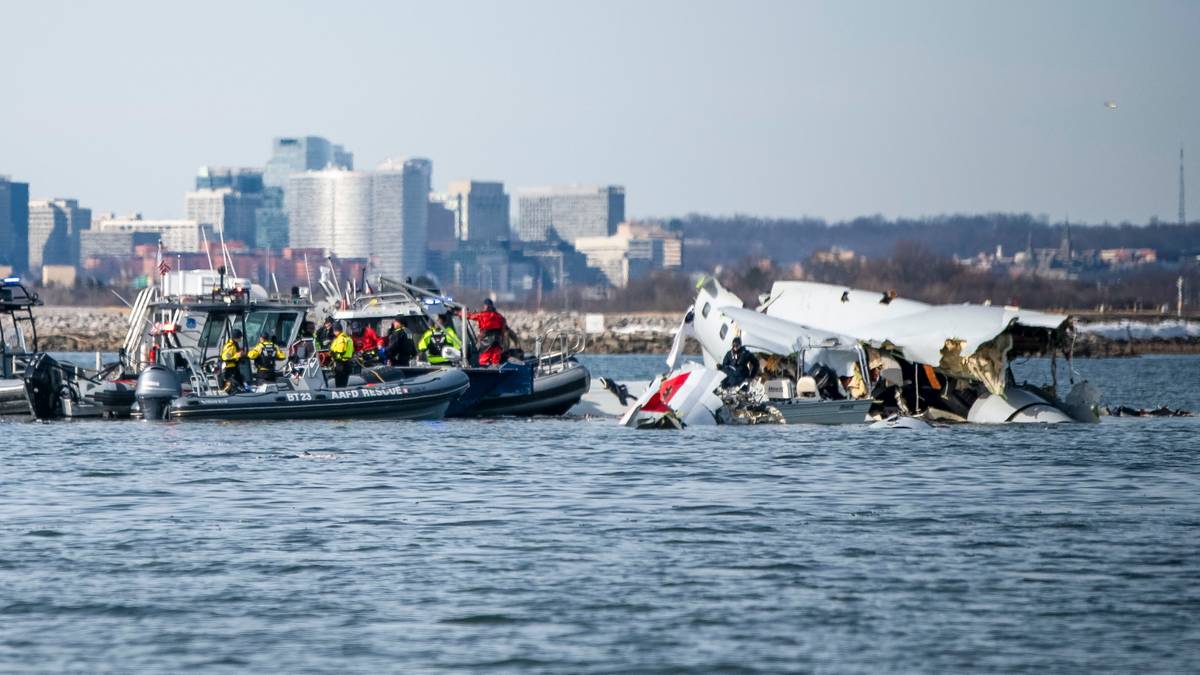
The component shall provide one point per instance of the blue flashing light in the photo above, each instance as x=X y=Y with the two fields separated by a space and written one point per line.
x=12 y=281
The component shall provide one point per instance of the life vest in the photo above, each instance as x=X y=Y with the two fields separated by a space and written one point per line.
x=265 y=353
x=231 y=354
x=342 y=348
x=436 y=342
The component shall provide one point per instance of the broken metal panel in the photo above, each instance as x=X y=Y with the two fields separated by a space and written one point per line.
x=774 y=335
x=946 y=336
x=686 y=330
x=987 y=364
x=686 y=395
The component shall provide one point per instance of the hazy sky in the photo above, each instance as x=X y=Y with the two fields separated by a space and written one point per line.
x=767 y=108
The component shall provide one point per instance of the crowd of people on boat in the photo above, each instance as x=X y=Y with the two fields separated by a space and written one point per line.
x=342 y=348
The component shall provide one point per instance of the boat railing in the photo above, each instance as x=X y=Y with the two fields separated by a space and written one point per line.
x=554 y=348
x=197 y=378
x=311 y=373
x=385 y=298
x=14 y=363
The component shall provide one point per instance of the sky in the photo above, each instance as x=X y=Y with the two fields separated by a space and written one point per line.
x=773 y=109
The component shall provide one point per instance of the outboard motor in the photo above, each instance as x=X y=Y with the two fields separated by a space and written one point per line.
x=43 y=387
x=157 y=386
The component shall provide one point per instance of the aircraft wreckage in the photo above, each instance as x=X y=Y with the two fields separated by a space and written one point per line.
x=829 y=355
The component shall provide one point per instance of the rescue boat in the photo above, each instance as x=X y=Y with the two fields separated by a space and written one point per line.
x=372 y=394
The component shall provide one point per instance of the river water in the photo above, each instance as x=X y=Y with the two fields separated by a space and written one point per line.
x=577 y=546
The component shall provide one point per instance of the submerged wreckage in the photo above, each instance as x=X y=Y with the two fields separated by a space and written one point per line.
x=833 y=355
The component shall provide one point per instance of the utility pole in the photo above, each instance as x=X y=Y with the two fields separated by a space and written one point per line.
x=1179 y=297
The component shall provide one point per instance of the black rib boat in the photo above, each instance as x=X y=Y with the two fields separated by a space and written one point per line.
x=424 y=397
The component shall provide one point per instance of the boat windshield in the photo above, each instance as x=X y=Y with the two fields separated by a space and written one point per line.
x=282 y=323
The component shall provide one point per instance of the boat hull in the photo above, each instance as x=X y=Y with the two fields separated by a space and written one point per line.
x=553 y=394
x=12 y=397
x=422 y=398
x=517 y=390
x=802 y=411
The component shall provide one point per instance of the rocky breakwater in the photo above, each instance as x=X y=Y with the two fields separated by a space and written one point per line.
x=81 y=329
x=88 y=329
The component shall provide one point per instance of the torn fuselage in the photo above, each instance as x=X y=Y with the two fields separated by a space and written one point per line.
x=950 y=362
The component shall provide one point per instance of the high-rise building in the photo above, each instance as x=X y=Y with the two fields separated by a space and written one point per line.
x=247 y=180
x=634 y=251
x=401 y=216
x=290 y=156
x=440 y=235
x=331 y=210
x=14 y=225
x=569 y=212
x=177 y=236
x=382 y=215
x=96 y=243
x=227 y=212
x=54 y=230
x=481 y=210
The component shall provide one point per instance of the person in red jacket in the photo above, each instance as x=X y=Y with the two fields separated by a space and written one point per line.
x=366 y=342
x=492 y=328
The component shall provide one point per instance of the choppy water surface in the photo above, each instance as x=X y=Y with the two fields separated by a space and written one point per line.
x=576 y=546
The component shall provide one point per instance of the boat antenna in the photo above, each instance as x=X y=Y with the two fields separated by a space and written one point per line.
x=271 y=270
x=225 y=255
x=916 y=388
x=308 y=274
x=337 y=284
x=207 y=251
x=121 y=299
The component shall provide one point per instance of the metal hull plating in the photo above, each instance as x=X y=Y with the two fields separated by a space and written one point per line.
x=823 y=412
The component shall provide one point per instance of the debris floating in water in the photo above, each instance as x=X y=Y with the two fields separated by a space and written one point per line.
x=1164 y=411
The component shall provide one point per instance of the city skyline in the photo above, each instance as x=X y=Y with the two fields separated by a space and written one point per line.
x=778 y=110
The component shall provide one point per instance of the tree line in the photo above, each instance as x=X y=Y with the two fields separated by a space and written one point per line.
x=712 y=241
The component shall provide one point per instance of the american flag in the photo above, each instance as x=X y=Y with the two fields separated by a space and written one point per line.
x=163 y=265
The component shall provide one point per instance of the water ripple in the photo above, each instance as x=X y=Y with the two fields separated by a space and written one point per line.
x=579 y=547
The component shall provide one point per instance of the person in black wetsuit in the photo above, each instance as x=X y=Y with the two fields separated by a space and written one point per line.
x=738 y=365
x=400 y=349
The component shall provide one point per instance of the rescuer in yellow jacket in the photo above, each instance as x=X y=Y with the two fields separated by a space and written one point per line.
x=232 y=355
x=264 y=355
x=342 y=351
x=436 y=339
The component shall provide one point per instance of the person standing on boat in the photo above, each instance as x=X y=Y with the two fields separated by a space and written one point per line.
x=366 y=342
x=264 y=355
x=738 y=365
x=436 y=339
x=342 y=352
x=232 y=355
x=492 y=327
x=324 y=339
x=400 y=349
